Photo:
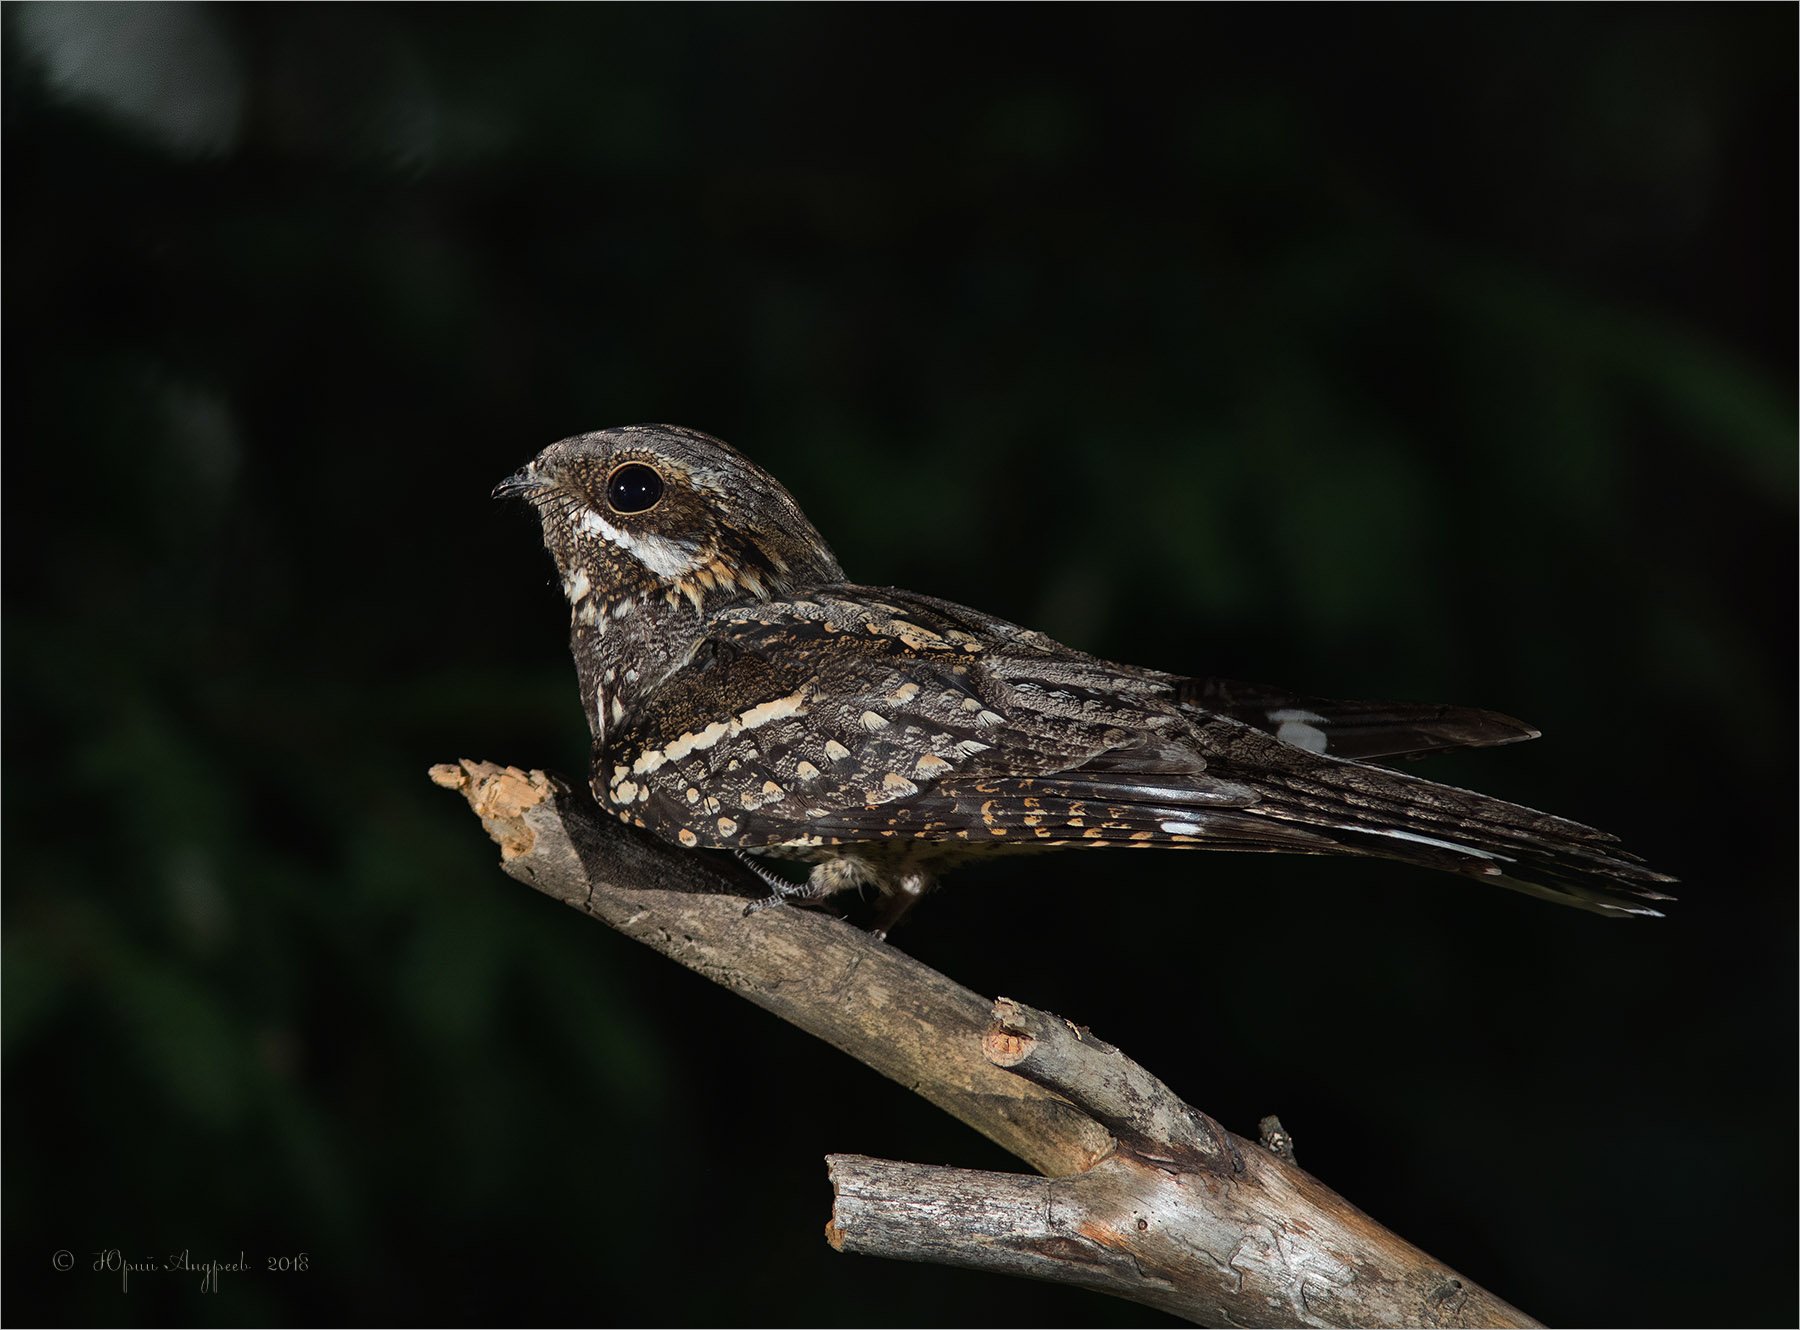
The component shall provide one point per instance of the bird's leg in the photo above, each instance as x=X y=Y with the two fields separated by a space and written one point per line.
x=783 y=890
x=907 y=890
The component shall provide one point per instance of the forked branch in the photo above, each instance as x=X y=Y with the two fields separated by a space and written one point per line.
x=1143 y=1196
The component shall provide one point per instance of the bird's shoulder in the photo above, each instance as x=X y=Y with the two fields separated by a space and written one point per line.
x=869 y=619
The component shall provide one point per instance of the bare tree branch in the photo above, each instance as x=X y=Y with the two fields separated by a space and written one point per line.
x=1094 y=1076
x=1005 y=1223
x=1144 y=1197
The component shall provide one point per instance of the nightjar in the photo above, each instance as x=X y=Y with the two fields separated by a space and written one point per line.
x=743 y=695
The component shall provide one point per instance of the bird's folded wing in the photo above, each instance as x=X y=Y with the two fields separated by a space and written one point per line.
x=847 y=711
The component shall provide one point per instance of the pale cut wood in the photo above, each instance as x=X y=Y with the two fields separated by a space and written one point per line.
x=1145 y=1197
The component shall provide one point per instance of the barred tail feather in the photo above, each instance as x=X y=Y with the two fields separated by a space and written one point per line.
x=1353 y=810
x=1374 y=811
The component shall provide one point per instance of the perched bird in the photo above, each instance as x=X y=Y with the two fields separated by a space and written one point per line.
x=743 y=695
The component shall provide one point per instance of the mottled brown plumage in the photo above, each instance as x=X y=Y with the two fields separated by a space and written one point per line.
x=742 y=695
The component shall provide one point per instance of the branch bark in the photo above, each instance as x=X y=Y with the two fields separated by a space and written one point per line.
x=1143 y=1196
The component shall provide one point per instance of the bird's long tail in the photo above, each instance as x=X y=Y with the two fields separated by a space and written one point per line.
x=1371 y=810
x=1258 y=793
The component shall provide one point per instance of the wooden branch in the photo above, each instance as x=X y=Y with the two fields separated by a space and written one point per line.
x=828 y=977
x=1144 y=1197
x=1094 y=1076
x=1006 y=1223
x=1182 y=1216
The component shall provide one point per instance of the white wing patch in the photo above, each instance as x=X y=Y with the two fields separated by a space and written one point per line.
x=1300 y=728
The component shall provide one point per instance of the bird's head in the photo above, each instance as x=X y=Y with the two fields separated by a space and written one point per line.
x=655 y=511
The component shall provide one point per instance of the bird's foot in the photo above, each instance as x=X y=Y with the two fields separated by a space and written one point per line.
x=782 y=892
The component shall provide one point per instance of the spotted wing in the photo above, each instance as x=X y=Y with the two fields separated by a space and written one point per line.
x=834 y=720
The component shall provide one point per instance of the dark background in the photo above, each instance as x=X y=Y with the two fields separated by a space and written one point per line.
x=1417 y=352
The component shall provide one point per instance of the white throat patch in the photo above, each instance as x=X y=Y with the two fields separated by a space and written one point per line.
x=662 y=556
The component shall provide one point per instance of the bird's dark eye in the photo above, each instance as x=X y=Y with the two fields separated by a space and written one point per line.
x=633 y=488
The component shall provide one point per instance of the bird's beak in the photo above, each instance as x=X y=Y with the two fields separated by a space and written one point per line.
x=521 y=484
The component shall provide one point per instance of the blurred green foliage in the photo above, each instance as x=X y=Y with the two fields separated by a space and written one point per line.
x=1388 y=351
